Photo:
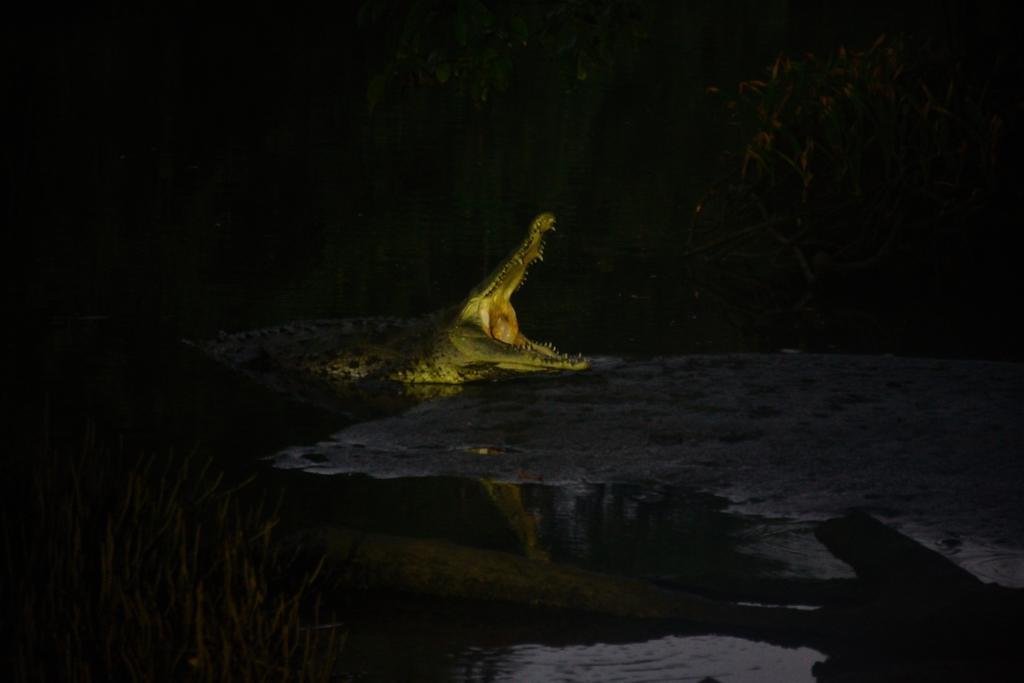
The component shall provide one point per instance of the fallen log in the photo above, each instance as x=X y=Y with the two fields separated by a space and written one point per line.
x=783 y=591
x=923 y=602
x=889 y=561
x=444 y=569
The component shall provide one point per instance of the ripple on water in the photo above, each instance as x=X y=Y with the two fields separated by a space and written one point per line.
x=672 y=658
x=990 y=563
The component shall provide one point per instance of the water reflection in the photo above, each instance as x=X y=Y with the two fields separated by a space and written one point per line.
x=671 y=532
x=672 y=658
x=679 y=537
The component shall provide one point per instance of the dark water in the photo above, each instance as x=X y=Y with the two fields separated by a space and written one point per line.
x=674 y=535
x=661 y=533
x=416 y=646
x=672 y=658
x=168 y=184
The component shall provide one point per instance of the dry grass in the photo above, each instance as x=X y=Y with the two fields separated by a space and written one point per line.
x=152 y=570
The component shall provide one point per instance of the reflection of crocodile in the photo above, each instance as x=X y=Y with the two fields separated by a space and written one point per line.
x=478 y=339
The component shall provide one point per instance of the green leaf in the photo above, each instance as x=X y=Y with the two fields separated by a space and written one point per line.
x=443 y=72
x=581 y=69
x=520 y=31
x=375 y=89
x=461 y=34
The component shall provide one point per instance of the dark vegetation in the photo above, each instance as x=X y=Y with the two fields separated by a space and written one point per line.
x=855 y=160
x=474 y=46
x=150 y=570
x=885 y=172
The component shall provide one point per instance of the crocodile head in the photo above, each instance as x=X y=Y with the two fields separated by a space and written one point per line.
x=483 y=339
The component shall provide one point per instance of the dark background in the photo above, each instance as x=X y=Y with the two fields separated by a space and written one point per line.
x=167 y=180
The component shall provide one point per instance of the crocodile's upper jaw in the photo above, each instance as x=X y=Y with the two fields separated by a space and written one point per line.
x=486 y=330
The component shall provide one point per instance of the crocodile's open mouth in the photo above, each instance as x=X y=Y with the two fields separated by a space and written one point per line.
x=490 y=304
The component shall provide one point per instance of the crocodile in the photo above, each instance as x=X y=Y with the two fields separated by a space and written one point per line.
x=475 y=340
